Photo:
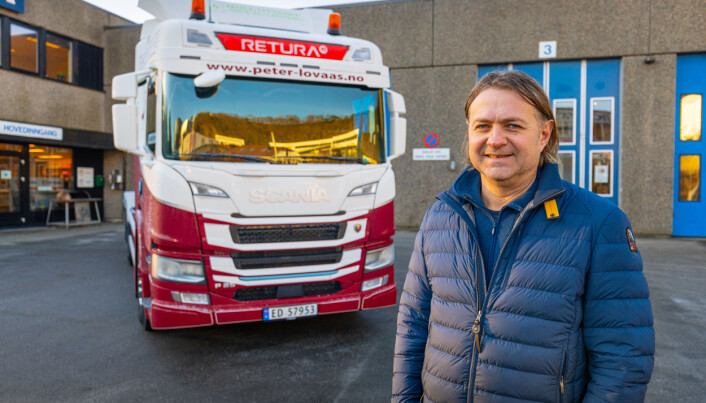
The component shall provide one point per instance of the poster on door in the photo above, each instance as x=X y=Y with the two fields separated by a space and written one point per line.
x=84 y=176
x=600 y=174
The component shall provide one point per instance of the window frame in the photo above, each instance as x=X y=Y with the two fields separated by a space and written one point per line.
x=38 y=50
x=573 y=123
x=611 y=171
x=573 y=162
x=612 y=121
x=681 y=116
x=6 y=23
x=72 y=57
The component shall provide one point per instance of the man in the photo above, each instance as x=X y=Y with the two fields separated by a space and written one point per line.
x=521 y=287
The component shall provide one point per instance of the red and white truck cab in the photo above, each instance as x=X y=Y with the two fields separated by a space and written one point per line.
x=263 y=184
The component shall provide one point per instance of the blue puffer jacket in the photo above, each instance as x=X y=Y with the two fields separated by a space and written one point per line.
x=566 y=316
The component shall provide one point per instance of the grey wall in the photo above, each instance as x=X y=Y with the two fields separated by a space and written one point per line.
x=433 y=48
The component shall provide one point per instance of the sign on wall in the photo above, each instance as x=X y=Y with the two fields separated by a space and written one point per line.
x=27 y=130
x=431 y=154
x=84 y=176
x=547 y=50
x=14 y=5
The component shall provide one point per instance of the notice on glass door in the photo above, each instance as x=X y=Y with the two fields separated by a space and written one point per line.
x=6 y=174
x=600 y=174
x=84 y=177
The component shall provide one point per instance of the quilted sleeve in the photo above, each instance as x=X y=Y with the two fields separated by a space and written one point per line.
x=617 y=323
x=412 y=323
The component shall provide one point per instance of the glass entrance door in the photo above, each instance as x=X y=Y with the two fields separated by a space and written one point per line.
x=13 y=193
x=689 y=148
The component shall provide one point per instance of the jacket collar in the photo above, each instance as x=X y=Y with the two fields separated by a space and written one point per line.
x=548 y=185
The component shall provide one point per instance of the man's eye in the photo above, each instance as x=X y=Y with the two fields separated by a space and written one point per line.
x=513 y=126
x=482 y=126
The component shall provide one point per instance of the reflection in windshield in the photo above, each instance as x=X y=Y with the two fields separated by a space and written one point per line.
x=251 y=120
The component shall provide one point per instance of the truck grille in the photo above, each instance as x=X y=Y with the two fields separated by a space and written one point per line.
x=286 y=233
x=286 y=258
x=292 y=291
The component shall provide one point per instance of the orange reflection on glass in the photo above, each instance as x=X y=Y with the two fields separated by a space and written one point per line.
x=690 y=119
x=689 y=178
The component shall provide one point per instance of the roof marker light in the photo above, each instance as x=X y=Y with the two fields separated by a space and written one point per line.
x=198 y=10
x=334 y=24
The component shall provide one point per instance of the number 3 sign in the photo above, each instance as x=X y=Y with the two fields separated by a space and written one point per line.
x=547 y=50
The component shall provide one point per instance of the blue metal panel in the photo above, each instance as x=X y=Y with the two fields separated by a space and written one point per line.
x=689 y=216
x=565 y=84
x=603 y=81
x=14 y=5
x=485 y=69
x=535 y=70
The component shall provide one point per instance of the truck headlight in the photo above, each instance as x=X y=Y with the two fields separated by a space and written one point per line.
x=199 y=189
x=379 y=258
x=178 y=270
x=368 y=189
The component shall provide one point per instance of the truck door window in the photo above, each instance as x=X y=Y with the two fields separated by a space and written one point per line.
x=151 y=115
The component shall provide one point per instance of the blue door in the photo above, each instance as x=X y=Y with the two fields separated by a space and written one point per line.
x=585 y=96
x=689 y=148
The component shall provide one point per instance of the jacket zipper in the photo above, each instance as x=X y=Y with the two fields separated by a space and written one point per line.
x=561 y=376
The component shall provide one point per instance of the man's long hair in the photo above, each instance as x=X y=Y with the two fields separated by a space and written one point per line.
x=525 y=86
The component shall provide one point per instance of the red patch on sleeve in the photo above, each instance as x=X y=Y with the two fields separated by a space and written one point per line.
x=631 y=240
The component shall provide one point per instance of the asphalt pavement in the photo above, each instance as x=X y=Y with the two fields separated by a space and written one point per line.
x=69 y=332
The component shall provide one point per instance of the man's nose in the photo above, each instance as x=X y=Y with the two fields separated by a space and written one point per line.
x=496 y=137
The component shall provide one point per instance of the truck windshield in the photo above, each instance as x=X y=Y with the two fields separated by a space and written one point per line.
x=267 y=121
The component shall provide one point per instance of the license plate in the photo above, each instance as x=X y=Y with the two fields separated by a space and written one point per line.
x=289 y=312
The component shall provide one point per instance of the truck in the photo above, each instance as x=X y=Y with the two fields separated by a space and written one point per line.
x=263 y=185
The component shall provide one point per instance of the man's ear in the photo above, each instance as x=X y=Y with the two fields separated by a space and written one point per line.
x=546 y=134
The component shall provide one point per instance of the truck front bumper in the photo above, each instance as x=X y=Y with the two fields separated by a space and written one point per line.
x=166 y=314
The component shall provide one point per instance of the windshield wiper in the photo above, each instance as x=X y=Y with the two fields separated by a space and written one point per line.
x=327 y=157
x=208 y=156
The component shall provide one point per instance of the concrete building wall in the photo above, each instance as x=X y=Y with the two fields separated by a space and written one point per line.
x=35 y=100
x=433 y=48
x=648 y=142
x=119 y=58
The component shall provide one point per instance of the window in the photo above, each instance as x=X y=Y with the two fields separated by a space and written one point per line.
x=90 y=66
x=602 y=172
x=23 y=48
x=690 y=178
x=49 y=173
x=151 y=115
x=564 y=113
x=601 y=120
x=35 y=51
x=566 y=166
x=58 y=58
x=690 y=118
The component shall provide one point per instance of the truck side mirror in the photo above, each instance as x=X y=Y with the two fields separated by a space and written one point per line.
x=398 y=125
x=124 y=86
x=125 y=128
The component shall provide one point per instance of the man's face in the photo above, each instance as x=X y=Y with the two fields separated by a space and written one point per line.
x=505 y=138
